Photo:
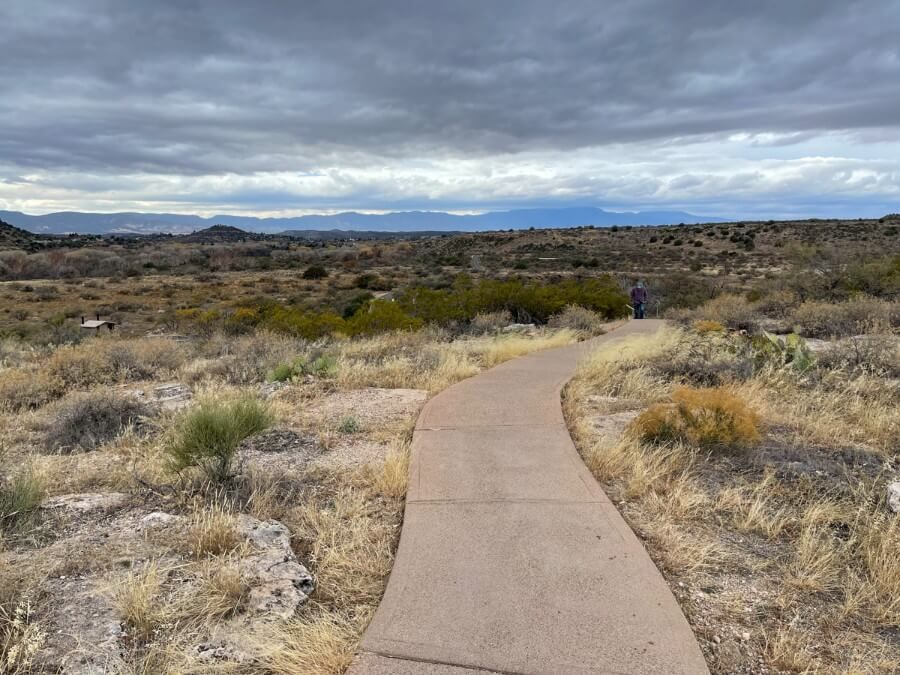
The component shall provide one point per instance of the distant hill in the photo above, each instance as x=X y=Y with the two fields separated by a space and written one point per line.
x=14 y=237
x=221 y=233
x=399 y=221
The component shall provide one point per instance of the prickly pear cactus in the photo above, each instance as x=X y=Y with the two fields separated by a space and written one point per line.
x=790 y=350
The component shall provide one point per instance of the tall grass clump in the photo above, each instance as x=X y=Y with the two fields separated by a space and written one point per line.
x=20 y=497
x=208 y=435
x=707 y=417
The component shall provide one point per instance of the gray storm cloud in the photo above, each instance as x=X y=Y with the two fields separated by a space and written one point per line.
x=180 y=93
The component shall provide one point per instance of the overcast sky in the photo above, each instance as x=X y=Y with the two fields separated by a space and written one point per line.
x=736 y=109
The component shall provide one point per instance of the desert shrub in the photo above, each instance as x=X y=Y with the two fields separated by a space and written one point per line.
x=489 y=322
x=872 y=354
x=14 y=352
x=80 y=367
x=27 y=388
x=880 y=278
x=20 y=498
x=315 y=272
x=208 y=435
x=349 y=425
x=104 y=361
x=356 y=303
x=733 y=311
x=143 y=359
x=281 y=373
x=708 y=326
x=825 y=319
x=577 y=318
x=710 y=417
x=322 y=365
x=242 y=320
x=244 y=360
x=526 y=302
x=84 y=421
x=710 y=358
x=777 y=304
x=372 y=282
x=382 y=316
x=205 y=322
x=306 y=325
x=325 y=365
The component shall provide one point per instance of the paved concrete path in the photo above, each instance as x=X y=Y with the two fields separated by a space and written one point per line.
x=512 y=559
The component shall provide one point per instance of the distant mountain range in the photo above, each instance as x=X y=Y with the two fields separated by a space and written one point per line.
x=66 y=222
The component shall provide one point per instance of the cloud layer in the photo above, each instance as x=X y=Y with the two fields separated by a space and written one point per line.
x=769 y=107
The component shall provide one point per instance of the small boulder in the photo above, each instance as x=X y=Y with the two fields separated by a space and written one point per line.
x=172 y=396
x=278 y=583
x=893 y=496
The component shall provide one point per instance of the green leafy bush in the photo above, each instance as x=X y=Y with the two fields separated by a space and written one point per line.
x=208 y=435
x=281 y=373
x=315 y=272
x=382 y=316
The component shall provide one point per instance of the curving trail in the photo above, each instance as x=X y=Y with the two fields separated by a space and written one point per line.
x=512 y=559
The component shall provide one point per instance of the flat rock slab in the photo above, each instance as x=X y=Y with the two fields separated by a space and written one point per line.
x=512 y=559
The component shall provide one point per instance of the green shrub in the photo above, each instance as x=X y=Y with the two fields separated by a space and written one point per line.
x=382 y=316
x=208 y=435
x=281 y=373
x=323 y=366
x=242 y=320
x=349 y=425
x=357 y=303
x=315 y=272
x=85 y=421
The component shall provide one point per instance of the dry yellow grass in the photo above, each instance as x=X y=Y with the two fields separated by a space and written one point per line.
x=822 y=562
x=138 y=598
x=709 y=417
x=211 y=531
x=323 y=642
x=222 y=592
x=427 y=361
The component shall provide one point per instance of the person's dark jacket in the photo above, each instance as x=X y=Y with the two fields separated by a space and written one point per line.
x=638 y=295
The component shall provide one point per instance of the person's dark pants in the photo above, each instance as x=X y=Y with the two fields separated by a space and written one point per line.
x=639 y=310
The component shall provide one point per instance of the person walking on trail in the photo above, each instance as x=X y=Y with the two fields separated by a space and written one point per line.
x=639 y=299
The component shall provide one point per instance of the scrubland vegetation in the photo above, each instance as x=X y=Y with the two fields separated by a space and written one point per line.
x=274 y=381
x=123 y=505
x=755 y=471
